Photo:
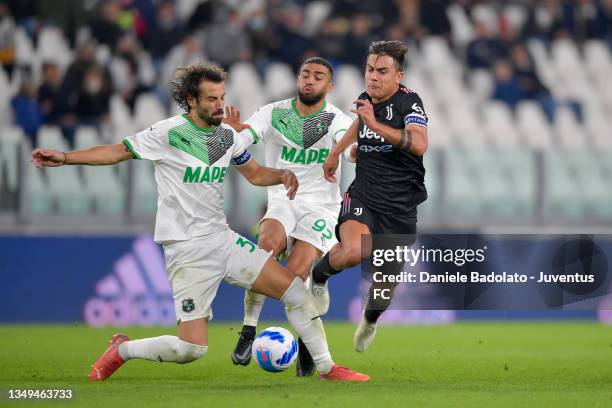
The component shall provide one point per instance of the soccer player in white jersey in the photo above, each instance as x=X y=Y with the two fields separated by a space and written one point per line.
x=191 y=154
x=297 y=135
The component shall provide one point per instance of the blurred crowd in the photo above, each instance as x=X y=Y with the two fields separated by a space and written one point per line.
x=128 y=47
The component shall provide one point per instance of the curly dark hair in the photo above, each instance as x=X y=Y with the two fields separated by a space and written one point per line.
x=187 y=80
x=394 y=49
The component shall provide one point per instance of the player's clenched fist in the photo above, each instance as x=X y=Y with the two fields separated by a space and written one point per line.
x=365 y=110
x=48 y=158
x=291 y=183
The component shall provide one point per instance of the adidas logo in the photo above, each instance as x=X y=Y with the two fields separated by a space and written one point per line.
x=136 y=292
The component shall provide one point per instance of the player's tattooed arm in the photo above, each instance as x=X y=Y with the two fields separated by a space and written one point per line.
x=412 y=138
x=405 y=142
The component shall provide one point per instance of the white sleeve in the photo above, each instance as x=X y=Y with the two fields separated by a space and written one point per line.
x=339 y=127
x=240 y=154
x=149 y=144
x=260 y=122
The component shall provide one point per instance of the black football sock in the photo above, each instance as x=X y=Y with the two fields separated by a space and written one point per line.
x=248 y=331
x=375 y=307
x=323 y=270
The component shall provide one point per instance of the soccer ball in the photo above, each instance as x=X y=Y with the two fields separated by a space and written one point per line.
x=275 y=349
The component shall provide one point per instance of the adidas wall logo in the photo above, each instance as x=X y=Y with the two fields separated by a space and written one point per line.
x=136 y=292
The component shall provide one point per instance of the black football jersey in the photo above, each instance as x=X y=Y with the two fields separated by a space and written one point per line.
x=389 y=180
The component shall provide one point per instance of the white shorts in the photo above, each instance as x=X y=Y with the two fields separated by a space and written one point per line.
x=305 y=221
x=196 y=268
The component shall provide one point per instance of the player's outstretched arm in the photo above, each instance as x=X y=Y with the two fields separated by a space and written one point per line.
x=266 y=176
x=412 y=138
x=333 y=160
x=94 y=156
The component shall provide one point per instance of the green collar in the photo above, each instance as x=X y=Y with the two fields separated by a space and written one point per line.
x=307 y=116
x=205 y=130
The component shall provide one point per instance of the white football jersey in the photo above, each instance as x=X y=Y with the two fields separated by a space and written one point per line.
x=190 y=166
x=300 y=144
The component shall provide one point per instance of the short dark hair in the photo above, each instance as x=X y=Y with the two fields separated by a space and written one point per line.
x=187 y=80
x=320 y=61
x=394 y=49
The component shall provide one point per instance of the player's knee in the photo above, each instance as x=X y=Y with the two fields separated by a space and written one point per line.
x=188 y=352
x=295 y=295
x=353 y=255
x=301 y=269
x=270 y=242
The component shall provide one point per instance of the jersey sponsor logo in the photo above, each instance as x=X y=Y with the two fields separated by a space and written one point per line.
x=208 y=175
x=304 y=156
x=367 y=133
x=389 y=115
x=377 y=149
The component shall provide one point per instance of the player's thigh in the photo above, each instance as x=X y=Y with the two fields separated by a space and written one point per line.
x=273 y=280
x=302 y=258
x=275 y=225
x=194 y=331
x=272 y=236
x=245 y=262
x=195 y=269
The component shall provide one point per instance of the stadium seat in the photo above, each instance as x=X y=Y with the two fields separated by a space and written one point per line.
x=533 y=126
x=148 y=110
x=597 y=126
x=10 y=139
x=315 y=12
x=244 y=88
x=595 y=189
x=568 y=130
x=53 y=46
x=463 y=200
x=461 y=26
x=438 y=57
x=598 y=61
x=144 y=188
x=519 y=169
x=562 y=191
x=102 y=182
x=25 y=52
x=486 y=14
x=565 y=56
x=464 y=126
x=481 y=85
x=349 y=84
x=65 y=183
x=38 y=197
x=516 y=15
x=499 y=124
x=543 y=62
x=279 y=82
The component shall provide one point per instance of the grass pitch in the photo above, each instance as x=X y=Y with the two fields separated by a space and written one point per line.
x=465 y=364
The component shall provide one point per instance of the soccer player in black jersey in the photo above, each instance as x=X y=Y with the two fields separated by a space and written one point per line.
x=391 y=132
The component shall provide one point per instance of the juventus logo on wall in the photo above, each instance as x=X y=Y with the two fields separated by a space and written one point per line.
x=389 y=112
